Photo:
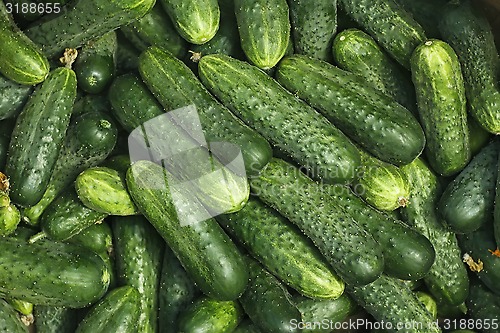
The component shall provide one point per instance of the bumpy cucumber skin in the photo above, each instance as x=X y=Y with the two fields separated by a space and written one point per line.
x=264 y=28
x=138 y=249
x=52 y=319
x=83 y=21
x=65 y=274
x=283 y=250
x=9 y=319
x=205 y=251
x=197 y=21
x=175 y=86
x=467 y=202
x=483 y=306
x=469 y=33
x=9 y=219
x=38 y=136
x=117 y=312
x=381 y=126
x=97 y=238
x=287 y=122
x=335 y=234
x=442 y=107
x=357 y=52
x=13 y=97
x=447 y=279
x=391 y=26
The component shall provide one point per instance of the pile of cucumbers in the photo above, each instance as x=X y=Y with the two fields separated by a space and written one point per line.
x=369 y=196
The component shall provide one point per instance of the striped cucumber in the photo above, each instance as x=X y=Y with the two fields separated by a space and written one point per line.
x=13 y=97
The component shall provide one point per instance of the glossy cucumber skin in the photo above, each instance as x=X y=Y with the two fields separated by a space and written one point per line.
x=375 y=121
x=196 y=21
x=447 y=279
x=205 y=251
x=9 y=319
x=13 y=97
x=336 y=235
x=97 y=238
x=282 y=249
x=38 y=136
x=469 y=33
x=82 y=21
x=52 y=319
x=138 y=249
x=391 y=26
x=280 y=117
x=478 y=136
x=483 y=304
x=439 y=85
x=467 y=202
x=264 y=28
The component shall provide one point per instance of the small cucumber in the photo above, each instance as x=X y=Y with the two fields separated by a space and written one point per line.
x=484 y=306
x=13 y=97
x=52 y=319
x=9 y=319
x=97 y=238
x=9 y=219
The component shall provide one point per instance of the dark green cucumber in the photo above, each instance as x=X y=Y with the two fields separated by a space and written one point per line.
x=97 y=238
x=264 y=28
x=52 y=319
x=467 y=30
x=117 y=312
x=197 y=21
x=13 y=97
x=246 y=326
x=268 y=303
x=484 y=307
x=89 y=140
x=280 y=117
x=207 y=315
x=357 y=52
x=9 y=219
x=203 y=248
x=478 y=136
x=381 y=126
x=38 y=136
x=447 y=279
x=120 y=163
x=82 y=21
x=90 y=103
x=467 y=202
x=127 y=56
x=426 y=13
x=391 y=26
x=283 y=250
x=138 y=251
x=438 y=81
x=4 y=147
x=335 y=234
x=9 y=319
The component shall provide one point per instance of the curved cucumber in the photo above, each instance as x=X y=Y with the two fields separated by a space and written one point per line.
x=52 y=319
x=13 y=97
x=9 y=319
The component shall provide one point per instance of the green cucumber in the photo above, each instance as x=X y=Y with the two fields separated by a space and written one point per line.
x=9 y=219
x=127 y=56
x=438 y=81
x=335 y=234
x=207 y=315
x=391 y=26
x=447 y=279
x=117 y=312
x=138 y=251
x=120 y=163
x=246 y=326
x=428 y=302
x=90 y=139
x=381 y=126
x=468 y=32
x=197 y=21
x=90 y=103
x=13 y=97
x=426 y=13
x=467 y=202
x=38 y=136
x=97 y=238
x=23 y=307
x=283 y=250
x=280 y=117
x=52 y=319
x=9 y=319
x=161 y=73
x=264 y=28
x=484 y=307
x=268 y=303
x=478 y=136
x=357 y=52
x=82 y=21
x=205 y=251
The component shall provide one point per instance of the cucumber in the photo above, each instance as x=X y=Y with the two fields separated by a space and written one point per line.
x=314 y=24
x=90 y=103
x=268 y=303
x=205 y=251
x=426 y=13
x=381 y=126
x=53 y=266
x=13 y=97
x=24 y=308
x=52 y=319
x=447 y=279
x=283 y=250
x=127 y=56
x=207 y=315
x=357 y=52
x=469 y=34
x=441 y=105
x=264 y=28
x=90 y=139
x=298 y=198
x=118 y=311
x=197 y=21
x=484 y=307
x=20 y=60
x=467 y=202
x=9 y=319
x=97 y=238
x=38 y=136
x=280 y=117
x=428 y=302
x=478 y=136
x=246 y=326
x=391 y=26
x=161 y=73
x=138 y=251
x=9 y=219
x=82 y=21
